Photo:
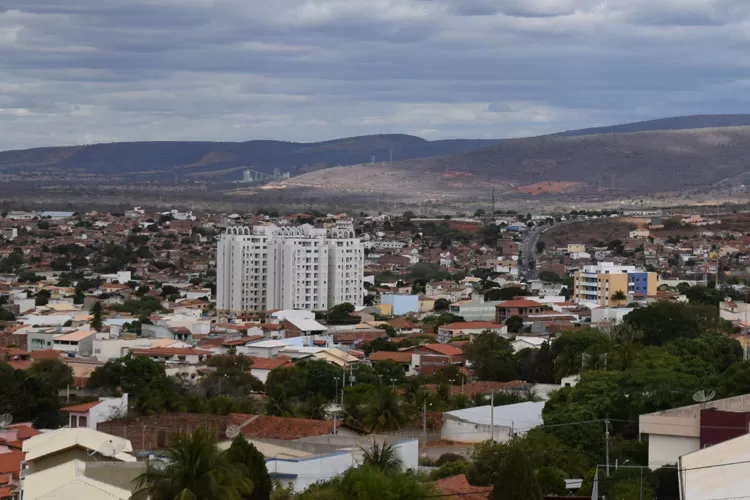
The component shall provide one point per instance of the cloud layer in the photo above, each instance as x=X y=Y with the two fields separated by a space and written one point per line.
x=84 y=71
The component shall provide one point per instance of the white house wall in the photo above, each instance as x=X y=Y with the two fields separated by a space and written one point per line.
x=666 y=450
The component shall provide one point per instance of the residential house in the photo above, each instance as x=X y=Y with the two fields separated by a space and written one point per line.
x=475 y=309
x=91 y=414
x=517 y=307
x=78 y=343
x=468 y=329
x=261 y=367
x=66 y=464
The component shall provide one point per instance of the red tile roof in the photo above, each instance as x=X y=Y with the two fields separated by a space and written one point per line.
x=24 y=431
x=47 y=354
x=269 y=364
x=268 y=427
x=398 y=356
x=471 y=325
x=444 y=349
x=242 y=340
x=355 y=336
x=81 y=408
x=170 y=351
x=460 y=487
x=10 y=463
x=519 y=303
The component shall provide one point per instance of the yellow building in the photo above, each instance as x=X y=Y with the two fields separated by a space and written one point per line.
x=600 y=284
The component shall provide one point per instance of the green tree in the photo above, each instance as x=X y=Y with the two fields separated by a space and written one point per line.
x=619 y=297
x=96 y=316
x=665 y=321
x=6 y=315
x=384 y=412
x=382 y=456
x=441 y=305
x=551 y=481
x=369 y=483
x=492 y=358
x=390 y=372
x=515 y=478
x=507 y=293
x=28 y=398
x=130 y=374
x=514 y=324
x=254 y=464
x=194 y=468
x=52 y=373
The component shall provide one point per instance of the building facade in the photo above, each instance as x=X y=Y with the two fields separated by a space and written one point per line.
x=598 y=284
x=289 y=267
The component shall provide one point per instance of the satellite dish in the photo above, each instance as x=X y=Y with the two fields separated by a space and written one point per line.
x=111 y=448
x=233 y=431
x=704 y=396
x=5 y=420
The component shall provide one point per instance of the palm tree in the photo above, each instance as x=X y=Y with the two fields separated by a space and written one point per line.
x=194 y=469
x=619 y=297
x=384 y=413
x=382 y=456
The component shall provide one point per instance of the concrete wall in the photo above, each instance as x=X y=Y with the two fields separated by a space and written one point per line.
x=401 y=304
x=709 y=473
x=665 y=450
x=468 y=432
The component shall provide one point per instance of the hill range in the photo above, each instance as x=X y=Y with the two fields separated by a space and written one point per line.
x=673 y=154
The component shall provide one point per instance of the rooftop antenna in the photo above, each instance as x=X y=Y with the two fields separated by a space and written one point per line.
x=704 y=395
x=5 y=420
x=234 y=430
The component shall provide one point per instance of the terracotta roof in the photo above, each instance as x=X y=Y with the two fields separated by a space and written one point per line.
x=24 y=431
x=471 y=325
x=47 y=354
x=6 y=492
x=402 y=323
x=20 y=365
x=10 y=463
x=267 y=427
x=170 y=351
x=519 y=303
x=460 y=487
x=81 y=408
x=398 y=356
x=269 y=364
x=242 y=340
x=444 y=349
x=356 y=336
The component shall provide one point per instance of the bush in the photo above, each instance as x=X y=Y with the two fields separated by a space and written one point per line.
x=446 y=458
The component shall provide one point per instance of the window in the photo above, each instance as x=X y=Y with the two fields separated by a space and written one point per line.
x=82 y=421
x=73 y=421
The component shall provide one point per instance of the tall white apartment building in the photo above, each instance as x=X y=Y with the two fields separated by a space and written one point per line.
x=288 y=267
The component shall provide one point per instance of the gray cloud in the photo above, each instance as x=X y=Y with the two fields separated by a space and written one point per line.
x=83 y=71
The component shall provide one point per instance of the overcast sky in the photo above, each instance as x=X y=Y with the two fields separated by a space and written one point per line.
x=84 y=71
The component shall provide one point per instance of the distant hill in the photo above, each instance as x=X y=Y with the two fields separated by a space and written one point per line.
x=199 y=159
x=669 y=153
x=676 y=123
x=640 y=162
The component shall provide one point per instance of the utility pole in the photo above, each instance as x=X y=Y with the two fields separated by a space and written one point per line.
x=606 y=443
x=424 y=421
x=492 y=416
x=343 y=386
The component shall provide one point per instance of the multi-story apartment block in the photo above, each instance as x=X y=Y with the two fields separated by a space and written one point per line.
x=600 y=283
x=289 y=267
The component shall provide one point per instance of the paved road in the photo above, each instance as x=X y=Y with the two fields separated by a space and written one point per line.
x=528 y=251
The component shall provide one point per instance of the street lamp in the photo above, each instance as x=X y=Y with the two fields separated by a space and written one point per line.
x=336 y=392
